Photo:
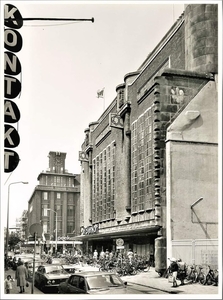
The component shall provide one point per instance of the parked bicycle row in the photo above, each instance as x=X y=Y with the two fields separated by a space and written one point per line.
x=190 y=273
x=121 y=265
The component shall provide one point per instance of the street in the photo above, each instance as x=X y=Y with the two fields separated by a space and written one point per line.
x=137 y=287
x=28 y=290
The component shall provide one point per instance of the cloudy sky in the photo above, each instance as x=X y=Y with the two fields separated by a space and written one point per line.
x=64 y=64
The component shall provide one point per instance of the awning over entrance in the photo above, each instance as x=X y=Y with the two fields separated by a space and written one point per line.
x=59 y=242
x=146 y=230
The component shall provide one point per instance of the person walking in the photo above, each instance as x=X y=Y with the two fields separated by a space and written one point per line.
x=95 y=255
x=181 y=271
x=21 y=275
x=130 y=255
x=106 y=254
x=174 y=269
x=102 y=254
x=8 y=284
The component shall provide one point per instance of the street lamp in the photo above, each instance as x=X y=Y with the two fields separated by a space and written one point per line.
x=56 y=228
x=7 y=232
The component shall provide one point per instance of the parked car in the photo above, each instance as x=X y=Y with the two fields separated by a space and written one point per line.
x=29 y=266
x=78 y=267
x=85 y=268
x=50 y=276
x=69 y=268
x=95 y=283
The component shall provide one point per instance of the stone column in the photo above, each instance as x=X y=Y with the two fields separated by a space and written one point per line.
x=201 y=38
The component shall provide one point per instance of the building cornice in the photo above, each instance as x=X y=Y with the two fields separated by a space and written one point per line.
x=176 y=26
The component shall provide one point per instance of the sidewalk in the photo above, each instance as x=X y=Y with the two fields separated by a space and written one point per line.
x=16 y=289
x=153 y=280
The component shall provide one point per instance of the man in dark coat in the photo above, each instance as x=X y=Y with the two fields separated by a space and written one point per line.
x=21 y=274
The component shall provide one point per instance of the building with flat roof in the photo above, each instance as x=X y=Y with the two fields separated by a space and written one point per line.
x=55 y=203
x=153 y=152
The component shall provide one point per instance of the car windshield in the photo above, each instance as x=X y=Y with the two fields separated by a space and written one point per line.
x=58 y=261
x=104 y=281
x=55 y=270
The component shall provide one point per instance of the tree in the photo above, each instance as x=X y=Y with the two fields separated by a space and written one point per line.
x=13 y=240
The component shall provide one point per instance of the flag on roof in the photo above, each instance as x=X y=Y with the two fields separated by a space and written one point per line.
x=100 y=93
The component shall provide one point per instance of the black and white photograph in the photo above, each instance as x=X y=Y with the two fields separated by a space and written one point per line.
x=111 y=161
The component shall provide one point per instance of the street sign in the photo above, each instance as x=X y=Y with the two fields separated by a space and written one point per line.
x=120 y=247
x=37 y=229
x=31 y=238
x=119 y=242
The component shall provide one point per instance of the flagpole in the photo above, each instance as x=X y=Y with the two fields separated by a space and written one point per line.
x=104 y=100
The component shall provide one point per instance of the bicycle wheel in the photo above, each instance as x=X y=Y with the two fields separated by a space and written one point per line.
x=146 y=269
x=208 y=280
x=202 y=279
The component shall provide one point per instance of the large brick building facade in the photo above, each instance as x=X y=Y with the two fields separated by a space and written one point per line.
x=131 y=169
x=58 y=191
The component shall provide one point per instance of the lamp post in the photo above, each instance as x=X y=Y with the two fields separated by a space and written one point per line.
x=55 y=229
x=7 y=232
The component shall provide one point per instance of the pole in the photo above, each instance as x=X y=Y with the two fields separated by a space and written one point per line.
x=47 y=19
x=7 y=232
x=104 y=101
x=34 y=258
x=56 y=233
x=7 y=229
x=55 y=229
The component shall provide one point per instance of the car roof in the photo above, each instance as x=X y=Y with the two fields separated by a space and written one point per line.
x=50 y=265
x=36 y=260
x=93 y=273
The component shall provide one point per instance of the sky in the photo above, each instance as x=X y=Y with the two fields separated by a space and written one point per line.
x=64 y=64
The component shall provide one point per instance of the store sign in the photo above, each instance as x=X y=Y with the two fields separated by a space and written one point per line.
x=12 y=85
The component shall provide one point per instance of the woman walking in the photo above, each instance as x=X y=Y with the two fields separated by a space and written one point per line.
x=21 y=275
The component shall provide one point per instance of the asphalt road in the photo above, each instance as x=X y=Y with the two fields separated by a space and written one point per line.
x=144 y=289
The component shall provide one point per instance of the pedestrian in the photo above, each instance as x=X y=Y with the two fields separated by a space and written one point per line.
x=6 y=262
x=130 y=255
x=95 y=255
x=173 y=270
x=21 y=275
x=19 y=261
x=111 y=255
x=102 y=254
x=106 y=254
x=181 y=274
x=8 y=284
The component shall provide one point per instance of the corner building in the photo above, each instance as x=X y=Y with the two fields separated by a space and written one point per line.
x=124 y=172
x=54 y=203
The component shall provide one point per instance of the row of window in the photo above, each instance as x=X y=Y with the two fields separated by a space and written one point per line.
x=141 y=162
x=58 y=209
x=57 y=212
x=61 y=181
x=46 y=228
x=58 y=196
x=142 y=183
x=103 y=195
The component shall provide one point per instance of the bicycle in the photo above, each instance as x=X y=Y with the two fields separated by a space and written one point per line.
x=201 y=277
x=192 y=274
x=212 y=277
